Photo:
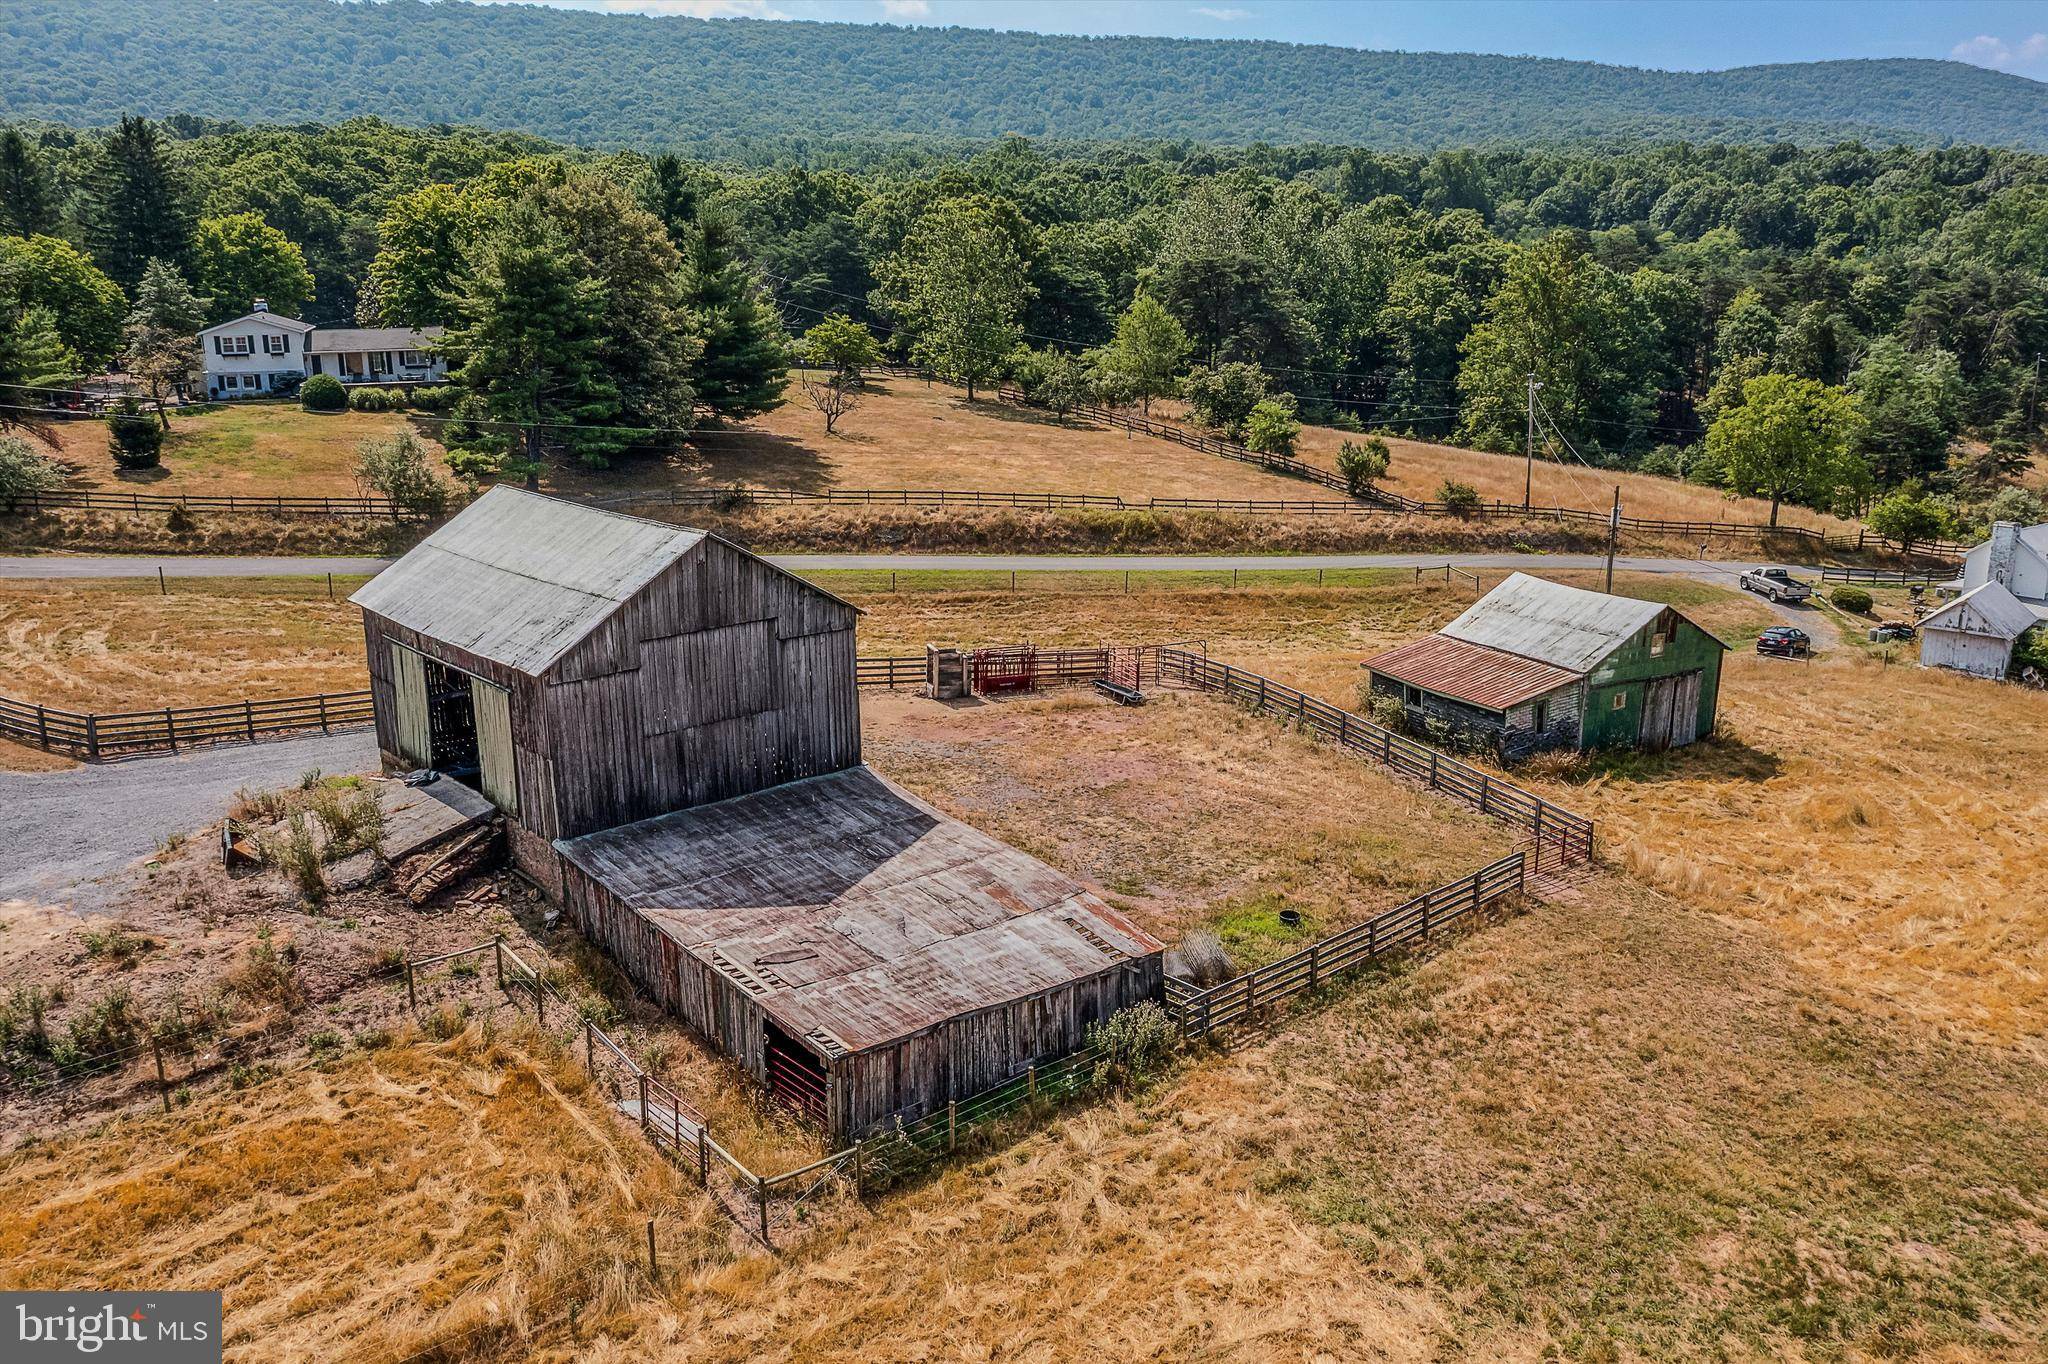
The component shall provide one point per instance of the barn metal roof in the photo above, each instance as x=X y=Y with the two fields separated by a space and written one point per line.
x=852 y=909
x=1567 y=627
x=1473 y=673
x=519 y=578
x=1995 y=604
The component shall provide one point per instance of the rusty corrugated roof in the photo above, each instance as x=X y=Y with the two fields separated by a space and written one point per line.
x=847 y=905
x=1491 y=679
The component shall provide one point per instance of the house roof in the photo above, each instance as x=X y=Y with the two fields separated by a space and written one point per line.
x=1994 y=604
x=329 y=340
x=1567 y=627
x=278 y=320
x=519 y=578
x=854 y=912
x=1473 y=673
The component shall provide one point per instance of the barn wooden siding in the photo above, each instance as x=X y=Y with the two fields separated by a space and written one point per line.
x=906 y=1077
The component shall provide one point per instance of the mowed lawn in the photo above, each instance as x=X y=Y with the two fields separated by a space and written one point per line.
x=258 y=449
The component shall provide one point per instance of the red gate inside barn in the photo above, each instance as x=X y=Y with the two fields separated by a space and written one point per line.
x=1008 y=669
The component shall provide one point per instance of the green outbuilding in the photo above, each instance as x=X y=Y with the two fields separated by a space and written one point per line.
x=1535 y=664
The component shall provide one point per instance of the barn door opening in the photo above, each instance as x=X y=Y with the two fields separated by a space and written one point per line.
x=1671 y=710
x=796 y=1075
x=451 y=723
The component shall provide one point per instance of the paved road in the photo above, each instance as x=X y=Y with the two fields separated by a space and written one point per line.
x=62 y=832
x=109 y=566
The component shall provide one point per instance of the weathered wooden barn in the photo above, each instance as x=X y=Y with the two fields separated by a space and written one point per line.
x=1535 y=664
x=671 y=728
x=863 y=955
x=1976 y=632
x=585 y=669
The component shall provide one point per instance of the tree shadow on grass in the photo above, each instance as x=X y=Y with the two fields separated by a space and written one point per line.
x=1722 y=757
x=1021 y=416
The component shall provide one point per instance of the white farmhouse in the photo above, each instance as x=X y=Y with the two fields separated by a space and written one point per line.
x=2004 y=593
x=257 y=354
x=263 y=353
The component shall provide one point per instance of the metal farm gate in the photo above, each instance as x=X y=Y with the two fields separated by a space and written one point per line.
x=1014 y=668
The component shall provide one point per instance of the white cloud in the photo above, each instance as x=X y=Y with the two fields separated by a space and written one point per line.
x=907 y=9
x=1222 y=16
x=1985 y=50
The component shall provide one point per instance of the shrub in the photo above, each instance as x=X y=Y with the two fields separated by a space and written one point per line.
x=1854 y=600
x=268 y=976
x=2030 y=654
x=1134 y=1042
x=434 y=397
x=296 y=853
x=1460 y=499
x=368 y=399
x=323 y=393
x=1363 y=463
x=1225 y=396
x=138 y=437
x=402 y=470
x=1271 y=428
x=23 y=470
x=180 y=520
x=352 y=821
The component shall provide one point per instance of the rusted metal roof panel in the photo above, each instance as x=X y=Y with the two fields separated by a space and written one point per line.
x=519 y=578
x=1487 y=678
x=862 y=910
x=1567 y=627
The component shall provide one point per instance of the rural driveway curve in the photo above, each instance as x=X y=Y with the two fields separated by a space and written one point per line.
x=62 y=833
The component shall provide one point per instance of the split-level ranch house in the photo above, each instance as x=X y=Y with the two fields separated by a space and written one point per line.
x=262 y=353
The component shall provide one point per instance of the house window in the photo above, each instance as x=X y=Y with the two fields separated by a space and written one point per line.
x=238 y=345
x=1410 y=696
x=275 y=344
x=412 y=359
x=1620 y=700
x=380 y=362
x=1657 y=643
x=1540 y=717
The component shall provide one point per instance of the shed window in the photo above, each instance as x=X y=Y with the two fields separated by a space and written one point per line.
x=1657 y=643
x=1540 y=717
x=1621 y=700
x=1410 y=696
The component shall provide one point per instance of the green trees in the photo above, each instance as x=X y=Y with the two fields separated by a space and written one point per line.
x=1051 y=378
x=1361 y=464
x=1144 y=359
x=422 y=238
x=1790 y=438
x=241 y=258
x=840 y=344
x=1912 y=408
x=958 y=282
x=28 y=200
x=161 y=338
x=527 y=348
x=402 y=470
x=138 y=208
x=1907 y=514
x=1575 y=325
x=137 y=437
x=23 y=470
x=1270 y=428
x=86 y=307
x=1225 y=396
x=743 y=367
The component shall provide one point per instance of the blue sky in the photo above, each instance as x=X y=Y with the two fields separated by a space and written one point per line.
x=2010 y=35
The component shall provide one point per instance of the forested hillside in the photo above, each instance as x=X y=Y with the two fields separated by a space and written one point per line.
x=777 y=87
x=1820 y=326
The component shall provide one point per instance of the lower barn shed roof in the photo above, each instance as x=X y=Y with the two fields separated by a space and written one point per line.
x=843 y=903
x=1488 y=678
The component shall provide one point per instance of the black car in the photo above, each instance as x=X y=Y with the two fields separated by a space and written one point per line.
x=1785 y=642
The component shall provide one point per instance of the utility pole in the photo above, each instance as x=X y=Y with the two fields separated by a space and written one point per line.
x=1529 y=467
x=1613 y=535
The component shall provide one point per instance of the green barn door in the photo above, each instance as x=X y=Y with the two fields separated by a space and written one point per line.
x=499 y=777
x=414 y=736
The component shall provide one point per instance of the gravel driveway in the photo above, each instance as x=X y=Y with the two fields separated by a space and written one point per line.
x=63 y=833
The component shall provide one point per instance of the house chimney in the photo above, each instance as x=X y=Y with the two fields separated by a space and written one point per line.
x=2005 y=552
x=262 y=305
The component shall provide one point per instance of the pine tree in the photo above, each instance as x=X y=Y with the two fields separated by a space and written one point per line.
x=744 y=367
x=527 y=349
x=137 y=209
x=41 y=355
x=28 y=200
x=162 y=333
x=671 y=193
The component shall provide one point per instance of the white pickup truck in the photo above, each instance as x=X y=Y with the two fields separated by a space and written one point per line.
x=1776 y=583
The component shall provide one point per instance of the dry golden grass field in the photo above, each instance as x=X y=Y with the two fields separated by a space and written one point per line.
x=1768 y=1087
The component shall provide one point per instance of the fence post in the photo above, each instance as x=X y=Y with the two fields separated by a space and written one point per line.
x=653 y=1265
x=540 y=1002
x=860 y=1192
x=1425 y=916
x=643 y=1099
x=42 y=727
x=1372 y=936
x=589 y=1052
x=323 y=730
x=952 y=1123
x=498 y=956
x=1387 y=747
x=1315 y=960
x=1485 y=789
x=703 y=1157
x=1432 y=769
x=249 y=719
x=412 y=995
x=163 y=1086
x=171 y=728
x=1031 y=1081
x=761 y=1192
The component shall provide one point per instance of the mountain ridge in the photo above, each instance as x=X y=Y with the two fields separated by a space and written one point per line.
x=643 y=81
